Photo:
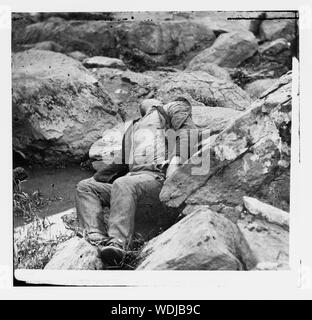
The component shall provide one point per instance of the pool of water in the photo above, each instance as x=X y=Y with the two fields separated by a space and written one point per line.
x=56 y=185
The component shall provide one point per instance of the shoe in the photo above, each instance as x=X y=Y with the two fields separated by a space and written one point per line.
x=112 y=253
x=96 y=238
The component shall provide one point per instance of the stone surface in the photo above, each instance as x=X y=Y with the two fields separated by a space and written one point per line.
x=104 y=62
x=229 y=50
x=204 y=240
x=277 y=192
x=274 y=29
x=75 y=254
x=203 y=88
x=44 y=45
x=165 y=41
x=128 y=88
x=159 y=42
x=59 y=108
x=77 y=55
x=219 y=22
x=246 y=156
x=267 y=212
x=106 y=148
x=256 y=88
x=215 y=119
x=273 y=47
x=211 y=68
x=268 y=242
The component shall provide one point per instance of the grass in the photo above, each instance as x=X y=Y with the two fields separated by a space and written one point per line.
x=27 y=206
x=30 y=252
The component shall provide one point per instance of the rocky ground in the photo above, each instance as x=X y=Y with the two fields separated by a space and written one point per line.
x=77 y=77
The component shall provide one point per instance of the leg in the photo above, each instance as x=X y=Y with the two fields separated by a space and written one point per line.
x=91 y=197
x=126 y=193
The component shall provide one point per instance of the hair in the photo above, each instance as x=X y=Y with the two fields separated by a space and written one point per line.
x=182 y=99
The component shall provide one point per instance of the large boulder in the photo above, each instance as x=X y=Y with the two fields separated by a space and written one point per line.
x=229 y=50
x=215 y=119
x=59 y=108
x=161 y=42
x=205 y=89
x=90 y=37
x=266 y=230
x=204 y=240
x=246 y=156
x=274 y=29
x=256 y=88
x=106 y=148
x=211 y=68
x=167 y=40
x=128 y=88
x=75 y=254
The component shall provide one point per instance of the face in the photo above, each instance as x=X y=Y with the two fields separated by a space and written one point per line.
x=147 y=104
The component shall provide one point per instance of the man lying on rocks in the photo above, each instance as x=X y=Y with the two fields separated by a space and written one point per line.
x=137 y=176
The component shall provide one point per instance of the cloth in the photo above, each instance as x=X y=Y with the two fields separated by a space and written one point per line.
x=122 y=196
x=149 y=146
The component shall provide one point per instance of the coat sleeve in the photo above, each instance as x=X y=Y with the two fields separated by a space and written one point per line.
x=186 y=132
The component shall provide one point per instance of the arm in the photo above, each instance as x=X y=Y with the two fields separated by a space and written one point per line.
x=185 y=145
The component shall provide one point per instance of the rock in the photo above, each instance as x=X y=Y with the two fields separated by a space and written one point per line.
x=75 y=254
x=215 y=119
x=277 y=192
x=152 y=42
x=200 y=87
x=267 y=212
x=59 y=108
x=19 y=174
x=104 y=62
x=106 y=148
x=256 y=88
x=204 y=240
x=273 y=48
x=211 y=68
x=247 y=155
x=274 y=29
x=268 y=242
x=165 y=41
x=127 y=89
x=219 y=22
x=98 y=165
x=77 y=55
x=89 y=37
x=262 y=66
x=229 y=50
x=44 y=45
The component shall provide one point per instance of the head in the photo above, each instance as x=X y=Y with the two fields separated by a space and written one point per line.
x=183 y=100
x=147 y=104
